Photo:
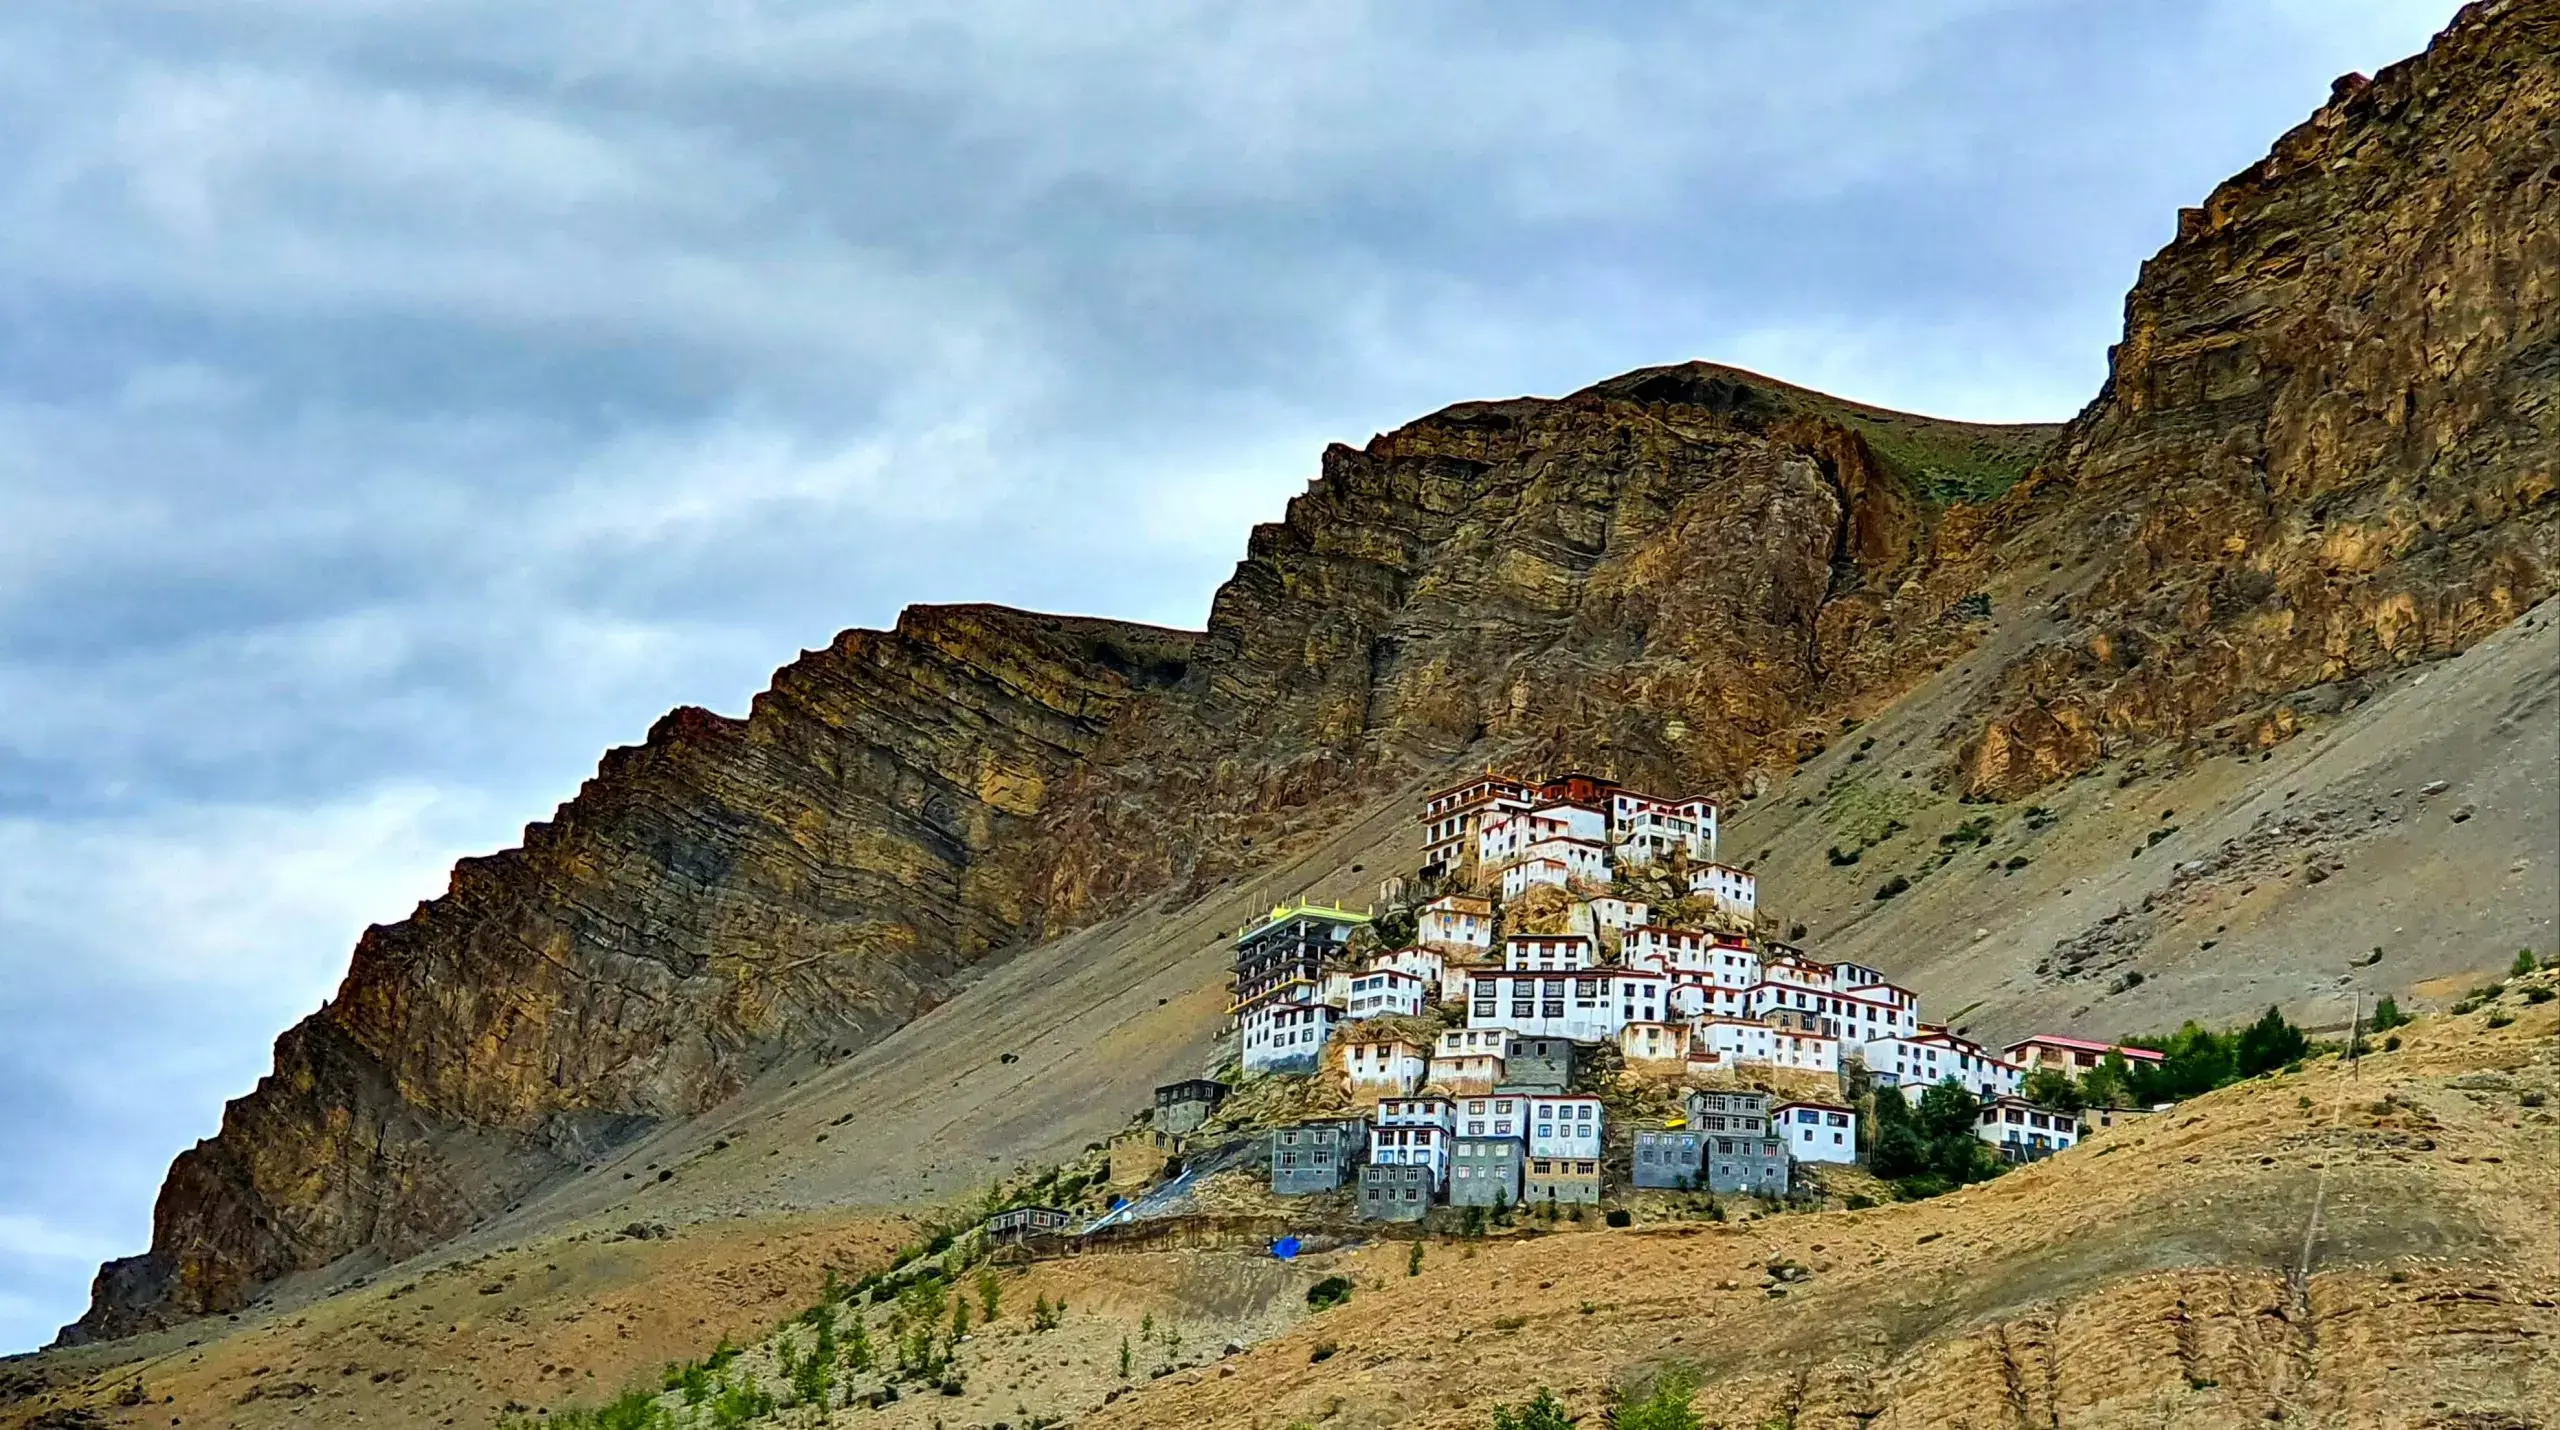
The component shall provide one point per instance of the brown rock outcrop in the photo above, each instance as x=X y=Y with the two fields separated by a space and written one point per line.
x=2327 y=446
x=2328 y=442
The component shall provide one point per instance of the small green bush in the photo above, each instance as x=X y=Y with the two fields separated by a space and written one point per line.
x=1539 y=1412
x=1662 y=1404
x=1332 y=1291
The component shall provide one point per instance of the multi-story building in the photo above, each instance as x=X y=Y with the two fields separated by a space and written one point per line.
x=1485 y=1172
x=1564 y=1126
x=1916 y=1064
x=1182 y=1106
x=1461 y=923
x=1318 y=1155
x=1453 y=818
x=1546 y=952
x=1287 y=1037
x=1492 y=1116
x=1292 y=946
x=1751 y=1166
x=1469 y=1060
x=1667 y=1157
x=1772 y=1041
x=1383 y=992
x=1693 y=955
x=2024 y=1132
x=1397 y=1192
x=1395 y=1067
x=1588 y=1006
x=1644 y=827
x=1736 y=891
x=1817 y=1131
x=1558 y=1181
x=1615 y=915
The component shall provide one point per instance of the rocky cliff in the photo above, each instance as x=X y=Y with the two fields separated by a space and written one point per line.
x=2326 y=446
x=725 y=895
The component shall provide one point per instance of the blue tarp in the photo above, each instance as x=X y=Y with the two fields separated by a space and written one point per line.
x=1286 y=1248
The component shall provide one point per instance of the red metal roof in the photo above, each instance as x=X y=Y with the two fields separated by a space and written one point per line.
x=2056 y=1040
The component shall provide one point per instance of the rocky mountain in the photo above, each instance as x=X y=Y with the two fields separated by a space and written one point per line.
x=2326 y=448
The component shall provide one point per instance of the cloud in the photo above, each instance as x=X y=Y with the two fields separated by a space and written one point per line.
x=402 y=400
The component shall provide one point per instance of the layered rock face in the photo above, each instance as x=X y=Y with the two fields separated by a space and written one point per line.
x=2328 y=442
x=2327 y=446
x=724 y=895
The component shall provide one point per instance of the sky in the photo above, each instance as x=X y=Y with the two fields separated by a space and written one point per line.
x=401 y=401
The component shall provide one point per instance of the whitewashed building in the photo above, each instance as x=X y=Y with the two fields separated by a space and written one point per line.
x=1588 y=1006
x=1287 y=1037
x=1469 y=1059
x=1423 y=963
x=1384 y=991
x=1394 y=1068
x=1457 y=921
x=1659 y=1044
x=1739 y=1041
x=1692 y=954
x=1567 y=1126
x=1817 y=1131
x=1916 y=1064
x=1453 y=819
x=1616 y=915
x=1494 y=1115
x=1645 y=828
x=1736 y=891
x=1547 y=952
x=2024 y=1132
x=1518 y=879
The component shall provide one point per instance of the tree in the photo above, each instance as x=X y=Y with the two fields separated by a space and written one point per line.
x=2107 y=1084
x=2053 y=1090
x=2386 y=1015
x=857 y=1346
x=1662 y=1405
x=1541 y=1412
x=1124 y=1357
x=1413 y=1262
x=2268 y=1044
x=990 y=1293
x=959 y=1317
x=2523 y=964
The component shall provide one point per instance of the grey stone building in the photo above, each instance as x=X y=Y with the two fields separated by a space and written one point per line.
x=1399 y=1193
x=1537 y=1065
x=1755 y=1166
x=1485 y=1171
x=1668 y=1157
x=1182 y=1106
x=1317 y=1156
x=1738 y=1151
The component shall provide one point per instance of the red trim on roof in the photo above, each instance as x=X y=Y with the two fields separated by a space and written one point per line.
x=2084 y=1045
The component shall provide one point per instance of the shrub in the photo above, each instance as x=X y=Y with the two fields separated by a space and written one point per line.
x=1413 y=1261
x=1661 y=1405
x=2500 y=1019
x=2387 y=1014
x=2523 y=964
x=1539 y=1412
x=1891 y=887
x=1332 y=1291
x=2539 y=994
x=1325 y=1350
x=1839 y=859
x=1619 y=1216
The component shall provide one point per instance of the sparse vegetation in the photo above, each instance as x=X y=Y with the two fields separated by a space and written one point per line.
x=1539 y=1412
x=1332 y=1291
x=1891 y=887
x=1661 y=1403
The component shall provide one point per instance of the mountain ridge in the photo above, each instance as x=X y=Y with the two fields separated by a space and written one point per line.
x=1685 y=575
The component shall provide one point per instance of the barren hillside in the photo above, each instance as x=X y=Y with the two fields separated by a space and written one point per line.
x=2242 y=688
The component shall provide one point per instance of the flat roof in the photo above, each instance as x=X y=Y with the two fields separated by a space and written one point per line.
x=2145 y=1055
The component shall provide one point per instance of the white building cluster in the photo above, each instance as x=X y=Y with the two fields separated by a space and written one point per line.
x=1479 y=1113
